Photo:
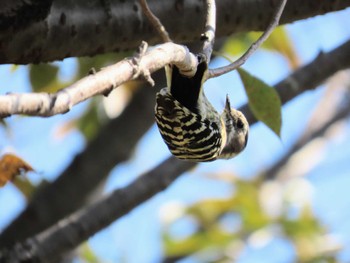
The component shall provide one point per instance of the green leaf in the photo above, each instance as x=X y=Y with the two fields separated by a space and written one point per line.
x=306 y=225
x=85 y=64
x=238 y=44
x=3 y=123
x=198 y=241
x=87 y=254
x=208 y=211
x=24 y=186
x=42 y=76
x=264 y=101
x=247 y=205
x=90 y=122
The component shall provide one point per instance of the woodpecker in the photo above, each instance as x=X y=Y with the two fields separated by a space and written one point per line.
x=190 y=126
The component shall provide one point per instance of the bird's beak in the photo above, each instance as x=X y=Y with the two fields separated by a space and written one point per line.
x=228 y=105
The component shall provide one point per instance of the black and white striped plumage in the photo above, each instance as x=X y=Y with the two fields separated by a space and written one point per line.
x=190 y=126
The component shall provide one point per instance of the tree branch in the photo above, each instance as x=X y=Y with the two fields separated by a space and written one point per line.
x=102 y=82
x=208 y=36
x=70 y=232
x=239 y=62
x=18 y=14
x=273 y=171
x=163 y=33
x=333 y=107
x=113 y=145
x=90 y=28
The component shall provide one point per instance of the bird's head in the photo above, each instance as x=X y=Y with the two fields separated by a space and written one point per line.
x=237 y=129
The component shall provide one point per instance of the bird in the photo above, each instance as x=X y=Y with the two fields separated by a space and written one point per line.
x=190 y=126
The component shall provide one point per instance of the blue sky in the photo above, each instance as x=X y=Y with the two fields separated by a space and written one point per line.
x=34 y=139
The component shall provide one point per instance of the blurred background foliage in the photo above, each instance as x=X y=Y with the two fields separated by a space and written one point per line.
x=221 y=228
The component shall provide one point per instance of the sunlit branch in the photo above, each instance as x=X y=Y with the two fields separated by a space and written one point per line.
x=99 y=83
x=208 y=36
x=239 y=62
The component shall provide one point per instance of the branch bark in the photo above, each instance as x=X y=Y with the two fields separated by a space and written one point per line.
x=46 y=246
x=70 y=232
x=102 y=82
x=88 y=28
x=208 y=37
x=18 y=14
x=155 y=22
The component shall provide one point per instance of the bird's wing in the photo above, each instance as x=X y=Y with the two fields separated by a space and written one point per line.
x=187 y=135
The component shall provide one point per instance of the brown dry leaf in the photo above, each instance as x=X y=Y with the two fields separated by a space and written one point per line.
x=11 y=166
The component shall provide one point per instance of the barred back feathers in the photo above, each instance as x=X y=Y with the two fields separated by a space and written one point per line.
x=190 y=126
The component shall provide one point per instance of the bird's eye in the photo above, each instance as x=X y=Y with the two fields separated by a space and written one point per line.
x=240 y=124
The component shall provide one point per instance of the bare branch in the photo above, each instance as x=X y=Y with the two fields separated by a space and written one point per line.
x=208 y=36
x=136 y=60
x=102 y=82
x=155 y=21
x=71 y=231
x=239 y=62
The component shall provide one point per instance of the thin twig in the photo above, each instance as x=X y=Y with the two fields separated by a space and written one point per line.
x=155 y=21
x=136 y=60
x=239 y=62
x=208 y=36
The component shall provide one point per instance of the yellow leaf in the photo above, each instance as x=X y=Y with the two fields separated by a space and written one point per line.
x=11 y=166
